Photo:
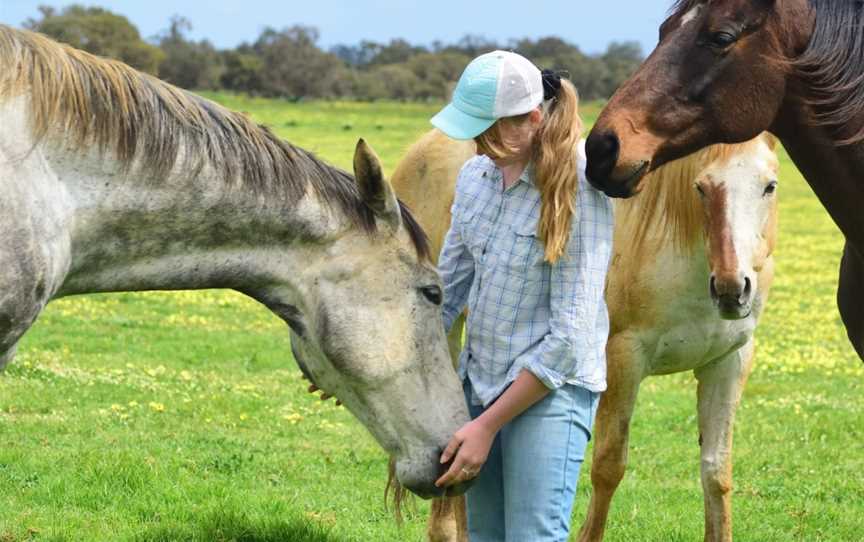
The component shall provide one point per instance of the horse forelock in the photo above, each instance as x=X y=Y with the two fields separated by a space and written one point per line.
x=669 y=206
x=683 y=7
x=145 y=123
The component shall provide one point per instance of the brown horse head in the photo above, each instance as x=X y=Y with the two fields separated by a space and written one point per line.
x=718 y=75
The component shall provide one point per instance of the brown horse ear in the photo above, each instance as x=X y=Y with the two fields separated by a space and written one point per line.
x=374 y=188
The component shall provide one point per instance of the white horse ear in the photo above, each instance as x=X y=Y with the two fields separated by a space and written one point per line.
x=374 y=188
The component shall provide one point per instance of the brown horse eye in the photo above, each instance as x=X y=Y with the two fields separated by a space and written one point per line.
x=722 y=40
x=700 y=190
x=433 y=294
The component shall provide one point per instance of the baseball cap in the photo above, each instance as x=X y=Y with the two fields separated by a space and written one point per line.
x=495 y=85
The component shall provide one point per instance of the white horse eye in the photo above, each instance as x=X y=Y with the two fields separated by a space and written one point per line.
x=770 y=188
x=433 y=294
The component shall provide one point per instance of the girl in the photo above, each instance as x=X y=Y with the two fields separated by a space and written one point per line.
x=527 y=251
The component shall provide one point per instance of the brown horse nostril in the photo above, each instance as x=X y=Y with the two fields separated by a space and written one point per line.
x=712 y=286
x=747 y=288
x=601 y=149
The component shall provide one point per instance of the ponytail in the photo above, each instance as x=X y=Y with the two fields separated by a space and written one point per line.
x=556 y=170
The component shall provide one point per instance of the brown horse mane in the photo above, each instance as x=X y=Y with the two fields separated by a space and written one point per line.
x=670 y=205
x=832 y=65
x=146 y=123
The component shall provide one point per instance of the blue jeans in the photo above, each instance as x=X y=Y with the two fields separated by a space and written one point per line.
x=526 y=489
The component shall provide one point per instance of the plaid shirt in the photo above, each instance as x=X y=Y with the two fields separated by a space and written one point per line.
x=524 y=313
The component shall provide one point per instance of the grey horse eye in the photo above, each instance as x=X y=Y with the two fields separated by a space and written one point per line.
x=770 y=188
x=432 y=293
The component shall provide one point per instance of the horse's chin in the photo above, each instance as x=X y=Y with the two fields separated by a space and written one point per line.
x=458 y=489
x=626 y=185
x=734 y=313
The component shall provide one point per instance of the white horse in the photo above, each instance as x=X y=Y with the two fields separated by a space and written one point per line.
x=112 y=180
x=690 y=275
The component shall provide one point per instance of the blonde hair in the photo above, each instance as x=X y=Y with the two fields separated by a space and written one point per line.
x=555 y=165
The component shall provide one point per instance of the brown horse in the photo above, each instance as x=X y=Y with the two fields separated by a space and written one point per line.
x=724 y=71
x=709 y=221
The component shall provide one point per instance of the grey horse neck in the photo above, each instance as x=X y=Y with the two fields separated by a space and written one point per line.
x=183 y=233
x=91 y=224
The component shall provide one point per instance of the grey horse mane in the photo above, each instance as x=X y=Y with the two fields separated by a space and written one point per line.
x=90 y=101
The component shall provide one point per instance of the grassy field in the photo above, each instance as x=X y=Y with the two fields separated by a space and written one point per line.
x=181 y=416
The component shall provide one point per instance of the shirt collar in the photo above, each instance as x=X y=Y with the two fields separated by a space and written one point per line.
x=527 y=176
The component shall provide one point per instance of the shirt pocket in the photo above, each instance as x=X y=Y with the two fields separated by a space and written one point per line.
x=526 y=254
x=472 y=229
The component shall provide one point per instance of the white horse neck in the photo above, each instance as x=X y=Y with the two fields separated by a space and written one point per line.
x=108 y=228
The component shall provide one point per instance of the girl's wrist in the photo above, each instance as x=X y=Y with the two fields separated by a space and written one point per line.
x=489 y=422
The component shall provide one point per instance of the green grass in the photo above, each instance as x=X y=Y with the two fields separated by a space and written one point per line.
x=181 y=416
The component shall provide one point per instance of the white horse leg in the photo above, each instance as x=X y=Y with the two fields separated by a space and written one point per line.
x=17 y=314
x=27 y=282
x=23 y=295
x=612 y=430
x=719 y=391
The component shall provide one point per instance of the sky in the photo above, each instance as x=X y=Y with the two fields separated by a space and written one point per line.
x=590 y=24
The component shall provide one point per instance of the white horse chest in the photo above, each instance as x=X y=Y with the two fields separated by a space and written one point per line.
x=688 y=331
x=695 y=343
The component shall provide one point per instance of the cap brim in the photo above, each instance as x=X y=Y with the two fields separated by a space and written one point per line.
x=459 y=125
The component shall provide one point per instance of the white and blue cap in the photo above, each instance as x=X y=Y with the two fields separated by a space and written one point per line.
x=493 y=86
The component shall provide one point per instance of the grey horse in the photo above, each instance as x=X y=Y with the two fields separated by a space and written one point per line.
x=115 y=181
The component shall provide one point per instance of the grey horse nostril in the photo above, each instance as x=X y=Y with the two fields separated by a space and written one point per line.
x=748 y=287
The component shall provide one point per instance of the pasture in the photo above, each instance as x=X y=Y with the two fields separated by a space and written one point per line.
x=181 y=416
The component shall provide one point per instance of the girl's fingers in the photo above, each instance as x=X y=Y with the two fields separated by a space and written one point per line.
x=451 y=449
x=449 y=477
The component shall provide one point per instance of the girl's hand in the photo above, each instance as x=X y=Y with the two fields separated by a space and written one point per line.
x=470 y=446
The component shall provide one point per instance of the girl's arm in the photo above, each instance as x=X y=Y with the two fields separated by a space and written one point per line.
x=470 y=445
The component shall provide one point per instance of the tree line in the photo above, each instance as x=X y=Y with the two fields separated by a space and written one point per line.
x=290 y=64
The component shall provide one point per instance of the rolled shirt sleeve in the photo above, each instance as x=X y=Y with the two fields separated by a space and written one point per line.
x=455 y=263
x=456 y=266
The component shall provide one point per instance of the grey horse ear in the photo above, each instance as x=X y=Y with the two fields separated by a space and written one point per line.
x=374 y=188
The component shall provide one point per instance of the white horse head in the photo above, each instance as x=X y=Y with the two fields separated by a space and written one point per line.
x=115 y=181
x=738 y=193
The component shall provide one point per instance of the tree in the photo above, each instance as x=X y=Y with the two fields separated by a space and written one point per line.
x=621 y=60
x=358 y=56
x=436 y=72
x=398 y=81
x=294 y=66
x=100 y=32
x=188 y=64
x=397 y=51
x=243 y=70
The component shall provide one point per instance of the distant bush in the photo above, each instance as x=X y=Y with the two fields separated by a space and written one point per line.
x=289 y=63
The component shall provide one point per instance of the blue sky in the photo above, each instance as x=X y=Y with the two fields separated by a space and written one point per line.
x=591 y=24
